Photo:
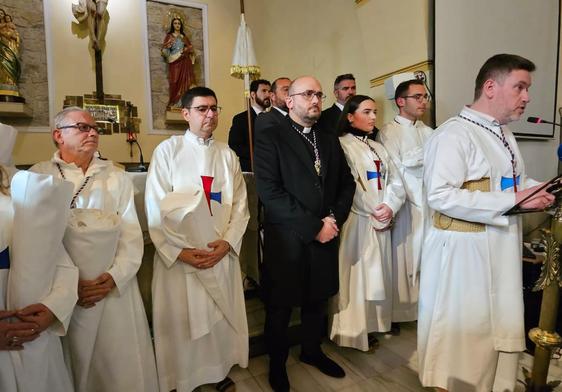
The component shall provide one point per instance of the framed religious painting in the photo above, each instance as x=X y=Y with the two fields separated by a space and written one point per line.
x=24 y=78
x=176 y=50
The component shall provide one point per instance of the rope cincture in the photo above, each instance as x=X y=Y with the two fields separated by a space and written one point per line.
x=80 y=189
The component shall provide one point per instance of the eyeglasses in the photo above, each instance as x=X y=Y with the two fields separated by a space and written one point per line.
x=204 y=109
x=308 y=94
x=419 y=97
x=82 y=127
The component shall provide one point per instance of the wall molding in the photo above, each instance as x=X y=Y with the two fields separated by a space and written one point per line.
x=421 y=66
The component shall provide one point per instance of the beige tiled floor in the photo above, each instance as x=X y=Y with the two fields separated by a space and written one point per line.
x=391 y=368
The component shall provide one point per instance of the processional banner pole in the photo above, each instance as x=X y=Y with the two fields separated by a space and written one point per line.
x=244 y=66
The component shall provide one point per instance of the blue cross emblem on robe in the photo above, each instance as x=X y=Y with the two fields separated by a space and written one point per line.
x=507 y=182
x=371 y=175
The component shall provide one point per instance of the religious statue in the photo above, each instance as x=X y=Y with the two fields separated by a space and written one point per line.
x=91 y=11
x=178 y=53
x=10 y=66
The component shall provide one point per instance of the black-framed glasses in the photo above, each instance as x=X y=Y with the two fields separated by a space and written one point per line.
x=308 y=94
x=204 y=109
x=419 y=97
x=83 y=127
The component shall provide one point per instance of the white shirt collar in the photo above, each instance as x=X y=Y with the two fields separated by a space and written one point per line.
x=306 y=130
x=257 y=109
x=193 y=138
x=404 y=121
x=284 y=113
x=339 y=105
x=483 y=118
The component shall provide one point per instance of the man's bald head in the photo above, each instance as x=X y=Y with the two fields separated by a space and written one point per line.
x=305 y=100
x=297 y=84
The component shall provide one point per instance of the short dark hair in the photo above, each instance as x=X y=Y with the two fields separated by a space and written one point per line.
x=403 y=87
x=499 y=66
x=255 y=85
x=350 y=107
x=198 y=91
x=341 y=78
x=274 y=84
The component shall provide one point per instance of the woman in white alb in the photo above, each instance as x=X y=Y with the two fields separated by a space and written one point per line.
x=364 y=303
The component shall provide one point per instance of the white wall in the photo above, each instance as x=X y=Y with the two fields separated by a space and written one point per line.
x=309 y=37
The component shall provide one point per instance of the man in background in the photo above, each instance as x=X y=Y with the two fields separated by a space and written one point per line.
x=404 y=138
x=238 y=138
x=344 y=88
x=278 y=111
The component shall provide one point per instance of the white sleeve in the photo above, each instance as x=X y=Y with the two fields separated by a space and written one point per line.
x=64 y=292
x=158 y=185
x=395 y=194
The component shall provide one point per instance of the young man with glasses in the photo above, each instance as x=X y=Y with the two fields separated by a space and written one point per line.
x=306 y=188
x=110 y=311
x=404 y=138
x=344 y=88
x=197 y=214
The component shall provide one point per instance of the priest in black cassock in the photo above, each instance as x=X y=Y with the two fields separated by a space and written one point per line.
x=306 y=188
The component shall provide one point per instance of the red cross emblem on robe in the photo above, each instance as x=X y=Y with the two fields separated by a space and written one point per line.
x=207 y=186
x=375 y=174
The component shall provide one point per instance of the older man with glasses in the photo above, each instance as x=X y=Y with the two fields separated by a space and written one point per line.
x=404 y=138
x=306 y=188
x=108 y=339
x=197 y=214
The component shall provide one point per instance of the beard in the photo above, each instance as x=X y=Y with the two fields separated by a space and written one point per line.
x=283 y=106
x=313 y=117
x=308 y=116
x=264 y=103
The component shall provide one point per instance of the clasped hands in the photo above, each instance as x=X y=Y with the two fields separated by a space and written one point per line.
x=25 y=326
x=383 y=213
x=202 y=258
x=92 y=291
x=328 y=231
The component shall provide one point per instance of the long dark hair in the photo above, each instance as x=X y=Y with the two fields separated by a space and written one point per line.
x=352 y=104
x=172 y=26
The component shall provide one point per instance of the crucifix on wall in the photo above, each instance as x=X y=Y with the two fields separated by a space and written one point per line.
x=112 y=113
x=94 y=14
